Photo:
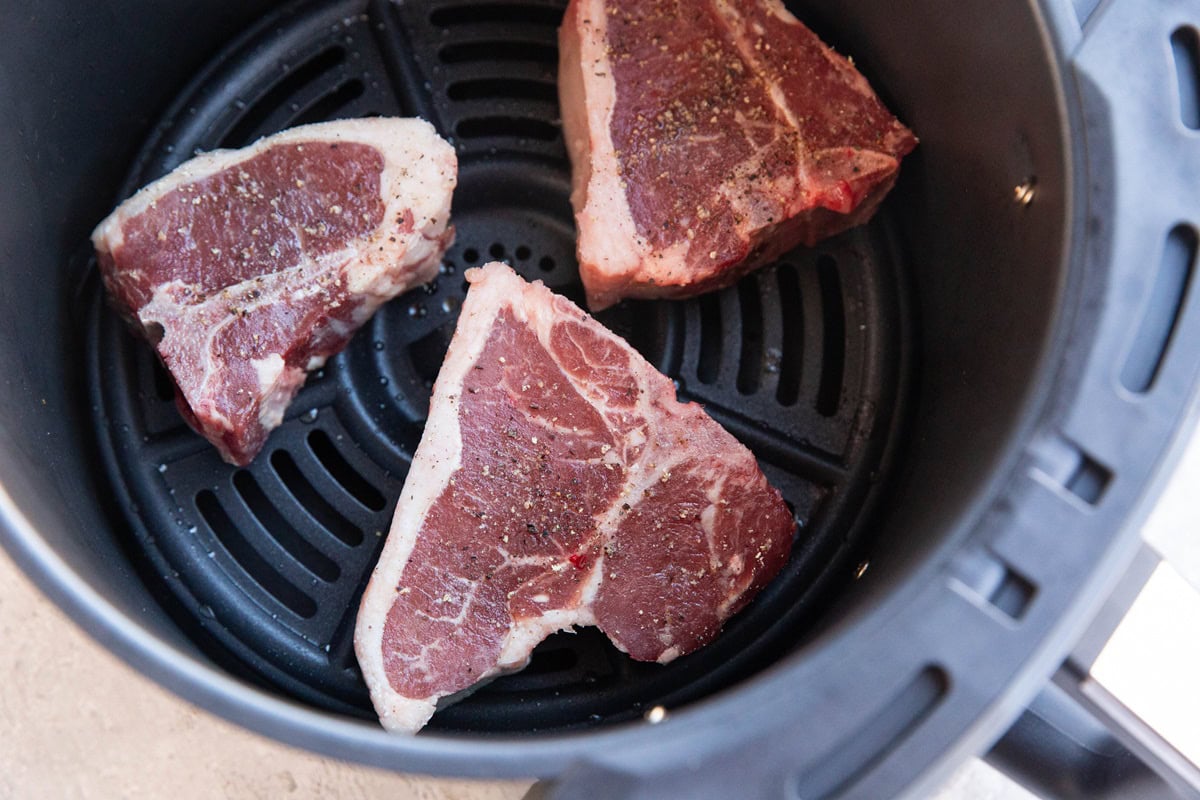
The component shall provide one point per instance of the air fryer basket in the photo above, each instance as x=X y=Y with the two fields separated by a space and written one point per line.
x=964 y=402
x=265 y=565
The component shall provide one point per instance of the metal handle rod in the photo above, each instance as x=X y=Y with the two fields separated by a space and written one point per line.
x=1093 y=733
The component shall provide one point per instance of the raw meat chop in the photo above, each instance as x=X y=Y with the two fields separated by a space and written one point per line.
x=558 y=483
x=246 y=268
x=707 y=138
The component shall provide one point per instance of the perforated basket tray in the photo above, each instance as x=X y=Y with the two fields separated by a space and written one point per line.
x=806 y=362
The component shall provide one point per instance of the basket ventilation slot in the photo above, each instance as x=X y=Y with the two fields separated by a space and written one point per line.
x=341 y=471
x=833 y=343
x=506 y=13
x=1185 y=45
x=987 y=580
x=787 y=391
x=1088 y=480
x=229 y=534
x=311 y=500
x=1162 y=310
x=493 y=88
x=292 y=84
x=275 y=524
x=886 y=729
x=750 y=367
x=331 y=105
x=712 y=339
x=498 y=50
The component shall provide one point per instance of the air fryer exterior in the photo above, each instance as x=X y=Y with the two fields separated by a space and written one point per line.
x=931 y=662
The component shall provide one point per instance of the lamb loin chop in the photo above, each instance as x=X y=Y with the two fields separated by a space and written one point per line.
x=558 y=483
x=247 y=268
x=707 y=138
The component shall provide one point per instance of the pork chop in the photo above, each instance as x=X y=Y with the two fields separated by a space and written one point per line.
x=247 y=268
x=703 y=149
x=558 y=483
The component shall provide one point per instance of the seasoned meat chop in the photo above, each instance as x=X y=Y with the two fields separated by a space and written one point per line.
x=246 y=268
x=558 y=483
x=707 y=138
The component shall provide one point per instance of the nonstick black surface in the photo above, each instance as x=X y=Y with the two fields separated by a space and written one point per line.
x=804 y=361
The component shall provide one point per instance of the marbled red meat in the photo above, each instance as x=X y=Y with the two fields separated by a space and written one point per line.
x=558 y=483
x=247 y=268
x=707 y=138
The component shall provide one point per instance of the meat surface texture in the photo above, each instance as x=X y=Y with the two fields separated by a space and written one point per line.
x=247 y=268
x=558 y=483
x=707 y=138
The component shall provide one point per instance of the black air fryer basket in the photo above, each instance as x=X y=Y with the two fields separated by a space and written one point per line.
x=966 y=402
